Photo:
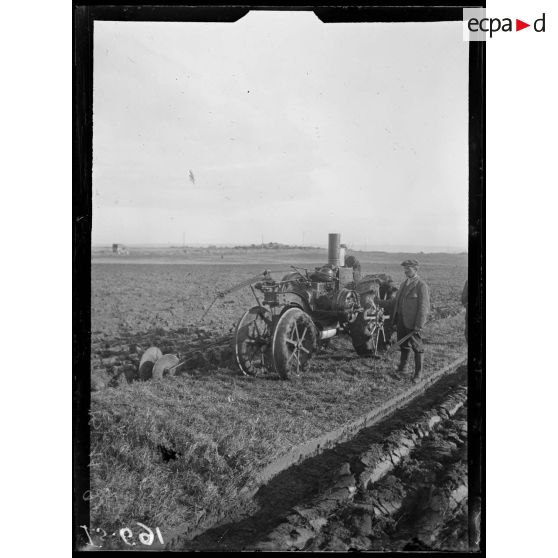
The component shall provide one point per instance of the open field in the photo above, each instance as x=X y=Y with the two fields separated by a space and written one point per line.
x=174 y=451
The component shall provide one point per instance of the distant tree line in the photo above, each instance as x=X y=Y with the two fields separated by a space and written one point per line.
x=274 y=246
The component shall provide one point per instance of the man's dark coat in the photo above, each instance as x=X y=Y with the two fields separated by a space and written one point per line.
x=412 y=303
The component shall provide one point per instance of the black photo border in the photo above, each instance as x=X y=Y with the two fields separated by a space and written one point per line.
x=82 y=128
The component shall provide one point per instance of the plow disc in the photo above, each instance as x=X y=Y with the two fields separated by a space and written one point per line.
x=147 y=362
x=167 y=363
x=154 y=364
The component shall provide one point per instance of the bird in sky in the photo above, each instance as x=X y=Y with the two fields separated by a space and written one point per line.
x=191 y=177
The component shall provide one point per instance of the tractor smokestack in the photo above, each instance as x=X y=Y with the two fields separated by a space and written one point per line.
x=333 y=249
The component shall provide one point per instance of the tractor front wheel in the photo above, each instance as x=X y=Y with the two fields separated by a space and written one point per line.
x=295 y=339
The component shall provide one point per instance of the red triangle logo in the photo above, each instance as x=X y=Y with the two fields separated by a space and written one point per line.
x=519 y=25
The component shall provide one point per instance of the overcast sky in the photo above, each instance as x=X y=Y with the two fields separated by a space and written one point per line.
x=292 y=129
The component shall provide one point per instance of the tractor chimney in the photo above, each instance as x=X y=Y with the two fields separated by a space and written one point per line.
x=333 y=249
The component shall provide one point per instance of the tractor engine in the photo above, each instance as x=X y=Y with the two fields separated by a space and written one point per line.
x=329 y=296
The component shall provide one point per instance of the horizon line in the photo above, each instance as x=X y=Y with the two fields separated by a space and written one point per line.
x=357 y=248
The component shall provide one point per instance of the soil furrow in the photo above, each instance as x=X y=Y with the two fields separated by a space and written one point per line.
x=420 y=505
x=291 y=510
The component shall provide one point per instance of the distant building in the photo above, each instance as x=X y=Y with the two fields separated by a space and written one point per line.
x=119 y=249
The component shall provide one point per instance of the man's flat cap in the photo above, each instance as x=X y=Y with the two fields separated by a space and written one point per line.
x=410 y=263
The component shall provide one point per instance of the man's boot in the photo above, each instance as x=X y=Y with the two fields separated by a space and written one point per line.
x=418 y=367
x=403 y=363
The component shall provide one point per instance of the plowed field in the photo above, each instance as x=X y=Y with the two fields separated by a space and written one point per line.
x=178 y=451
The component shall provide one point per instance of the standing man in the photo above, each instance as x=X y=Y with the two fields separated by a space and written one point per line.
x=351 y=261
x=342 y=252
x=412 y=304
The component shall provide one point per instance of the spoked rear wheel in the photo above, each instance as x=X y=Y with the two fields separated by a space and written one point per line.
x=252 y=341
x=294 y=341
x=367 y=337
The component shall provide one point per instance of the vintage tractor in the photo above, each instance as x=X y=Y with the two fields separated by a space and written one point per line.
x=304 y=309
x=293 y=317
